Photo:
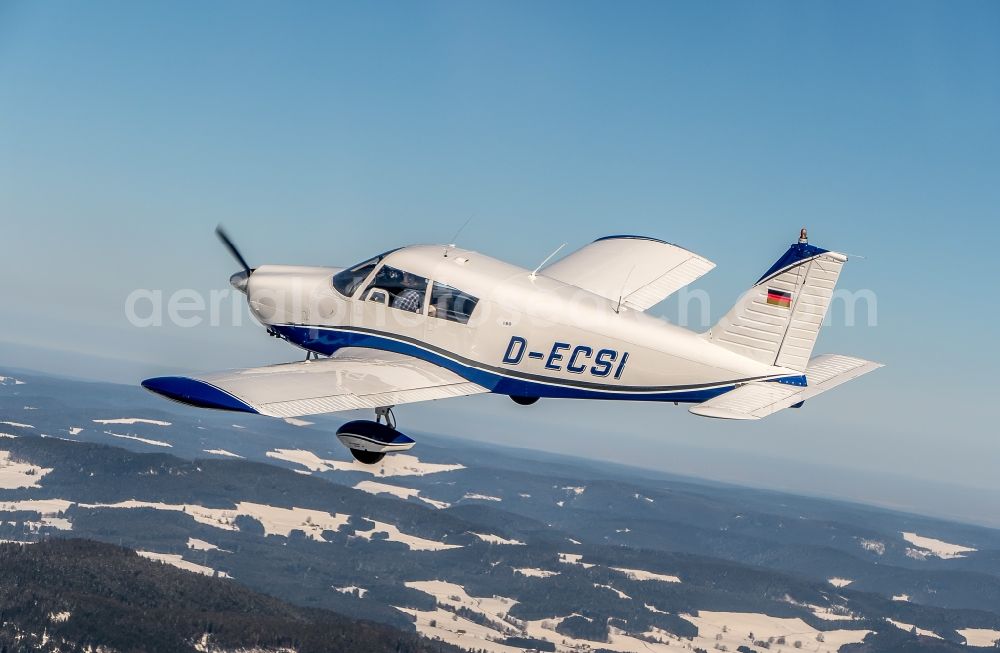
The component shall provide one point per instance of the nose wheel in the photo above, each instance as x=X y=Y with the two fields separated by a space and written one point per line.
x=369 y=441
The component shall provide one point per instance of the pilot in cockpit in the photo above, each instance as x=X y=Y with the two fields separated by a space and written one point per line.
x=410 y=298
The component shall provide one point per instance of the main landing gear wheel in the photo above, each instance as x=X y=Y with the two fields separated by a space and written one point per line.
x=370 y=441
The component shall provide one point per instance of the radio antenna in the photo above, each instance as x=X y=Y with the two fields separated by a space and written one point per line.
x=541 y=265
x=621 y=295
x=454 y=239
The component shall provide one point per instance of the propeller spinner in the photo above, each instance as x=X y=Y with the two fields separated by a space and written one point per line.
x=240 y=279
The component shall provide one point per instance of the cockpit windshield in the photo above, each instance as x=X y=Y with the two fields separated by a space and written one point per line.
x=347 y=281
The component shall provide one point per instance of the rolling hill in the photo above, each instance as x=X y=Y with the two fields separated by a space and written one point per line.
x=483 y=547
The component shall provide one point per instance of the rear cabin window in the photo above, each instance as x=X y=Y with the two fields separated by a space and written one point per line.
x=405 y=291
x=451 y=304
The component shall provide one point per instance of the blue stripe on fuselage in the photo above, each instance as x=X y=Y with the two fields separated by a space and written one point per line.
x=327 y=340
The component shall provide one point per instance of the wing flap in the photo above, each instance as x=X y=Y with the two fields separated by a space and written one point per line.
x=353 y=379
x=338 y=403
x=762 y=398
x=641 y=272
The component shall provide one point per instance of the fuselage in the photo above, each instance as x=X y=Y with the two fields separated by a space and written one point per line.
x=498 y=325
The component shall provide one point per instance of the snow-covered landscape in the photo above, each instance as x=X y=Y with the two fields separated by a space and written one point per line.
x=504 y=560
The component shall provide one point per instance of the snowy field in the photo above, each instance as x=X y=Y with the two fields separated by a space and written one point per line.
x=180 y=562
x=496 y=539
x=574 y=559
x=275 y=520
x=639 y=574
x=735 y=629
x=980 y=636
x=18 y=425
x=136 y=438
x=374 y=487
x=222 y=452
x=715 y=629
x=201 y=545
x=393 y=534
x=937 y=548
x=131 y=421
x=15 y=474
x=911 y=628
x=395 y=465
x=532 y=572
x=472 y=496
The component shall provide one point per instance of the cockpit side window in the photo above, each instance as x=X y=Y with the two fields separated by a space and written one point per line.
x=406 y=290
x=347 y=281
x=451 y=304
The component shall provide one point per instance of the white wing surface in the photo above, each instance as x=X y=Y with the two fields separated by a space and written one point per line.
x=639 y=271
x=352 y=379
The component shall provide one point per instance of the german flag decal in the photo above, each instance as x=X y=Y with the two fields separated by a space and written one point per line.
x=779 y=298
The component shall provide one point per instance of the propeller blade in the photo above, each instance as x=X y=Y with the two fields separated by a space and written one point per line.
x=224 y=237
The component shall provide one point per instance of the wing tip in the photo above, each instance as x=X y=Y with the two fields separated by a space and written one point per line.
x=195 y=392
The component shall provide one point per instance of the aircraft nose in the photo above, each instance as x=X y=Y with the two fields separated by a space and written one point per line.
x=239 y=280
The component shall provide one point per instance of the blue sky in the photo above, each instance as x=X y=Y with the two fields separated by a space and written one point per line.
x=321 y=133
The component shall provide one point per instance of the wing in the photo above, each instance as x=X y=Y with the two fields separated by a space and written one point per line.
x=352 y=379
x=640 y=271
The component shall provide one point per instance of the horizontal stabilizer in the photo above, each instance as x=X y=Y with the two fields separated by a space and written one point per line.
x=761 y=398
x=637 y=271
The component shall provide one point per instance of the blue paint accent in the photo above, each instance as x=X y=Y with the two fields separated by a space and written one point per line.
x=194 y=392
x=602 y=366
x=621 y=365
x=575 y=368
x=630 y=237
x=327 y=340
x=555 y=356
x=799 y=380
x=796 y=253
x=509 y=357
x=374 y=432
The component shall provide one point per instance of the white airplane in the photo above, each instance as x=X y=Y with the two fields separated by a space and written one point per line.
x=433 y=321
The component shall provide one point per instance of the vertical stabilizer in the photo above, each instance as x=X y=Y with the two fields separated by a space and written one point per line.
x=776 y=322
